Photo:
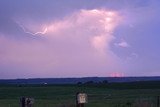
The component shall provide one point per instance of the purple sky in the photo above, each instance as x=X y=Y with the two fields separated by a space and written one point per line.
x=71 y=38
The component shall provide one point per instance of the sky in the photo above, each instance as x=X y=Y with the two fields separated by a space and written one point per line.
x=79 y=38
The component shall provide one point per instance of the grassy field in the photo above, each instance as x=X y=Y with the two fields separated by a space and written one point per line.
x=64 y=96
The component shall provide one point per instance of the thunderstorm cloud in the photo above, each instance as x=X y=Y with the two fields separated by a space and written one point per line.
x=78 y=39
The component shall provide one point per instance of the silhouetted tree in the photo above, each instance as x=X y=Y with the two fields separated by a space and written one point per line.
x=79 y=83
x=89 y=83
x=105 y=82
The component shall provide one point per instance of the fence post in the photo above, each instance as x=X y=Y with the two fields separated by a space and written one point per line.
x=81 y=99
x=22 y=101
x=26 y=102
x=158 y=101
x=77 y=104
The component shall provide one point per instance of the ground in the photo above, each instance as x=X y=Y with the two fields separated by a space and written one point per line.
x=64 y=96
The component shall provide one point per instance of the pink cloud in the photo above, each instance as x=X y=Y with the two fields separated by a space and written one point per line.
x=77 y=45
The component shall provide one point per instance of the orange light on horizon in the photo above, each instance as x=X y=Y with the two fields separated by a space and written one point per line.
x=117 y=74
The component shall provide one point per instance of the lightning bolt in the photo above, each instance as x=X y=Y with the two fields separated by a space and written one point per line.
x=31 y=33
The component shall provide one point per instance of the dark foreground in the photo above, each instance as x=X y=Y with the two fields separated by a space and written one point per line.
x=99 y=95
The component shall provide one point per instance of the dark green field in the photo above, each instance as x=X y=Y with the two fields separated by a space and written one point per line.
x=64 y=95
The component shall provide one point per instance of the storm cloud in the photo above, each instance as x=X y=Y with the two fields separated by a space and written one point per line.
x=79 y=38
